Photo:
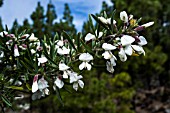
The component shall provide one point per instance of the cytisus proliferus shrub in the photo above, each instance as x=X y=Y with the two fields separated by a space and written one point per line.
x=43 y=65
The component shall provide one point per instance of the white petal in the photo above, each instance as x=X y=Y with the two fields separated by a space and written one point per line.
x=126 y=40
x=60 y=43
x=59 y=83
x=60 y=51
x=148 y=24
x=65 y=75
x=112 y=61
x=109 y=21
x=109 y=67
x=107 y=46
x=32 y=38
x=73 y=77
x=122 y=55
x=81 y=83
x=65 y=50
x=63 y=67
x=42 y=59
x=79 y=77
x=75 y=86
x=142 y=41
x=103 y=20
x=100 y=34
x=107 y=55
x=128 y=50
x=88 y=66
x=16 y=52
x=34 y=86
x=42 y=84
x=82 y=65
x=139 y=49
x=2 y=33
x=89 y=36
x=85 y=57
x=124 y=16
x=46 y=91
x=33 y=51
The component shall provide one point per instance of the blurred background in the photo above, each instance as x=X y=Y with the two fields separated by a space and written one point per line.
x=140 y=85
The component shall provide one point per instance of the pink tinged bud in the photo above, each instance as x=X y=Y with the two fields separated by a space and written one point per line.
x=16 y=52
x=35 y=83
x=39 y=48
x=35 y=78
x=10 y=35
x=8 y=42
x=139 y=28
x=24 y=45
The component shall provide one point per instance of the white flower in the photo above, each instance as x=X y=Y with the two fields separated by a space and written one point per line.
x=64 y=68
x=126 y=41
x=42 y=84
x=3 y=33
x=124 y=16
x=63 y=51
x=109 y=67
x=106 y=21
x=35 y=84
x=148 y=24
x=108 y=54
x=42 y=60
x=59 y=83
x=16 y=52
x=85 y=57
x=90 y=36
x=142 y=41
x=76 y=79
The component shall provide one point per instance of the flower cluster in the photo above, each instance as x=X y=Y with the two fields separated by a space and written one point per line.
x=59 y=61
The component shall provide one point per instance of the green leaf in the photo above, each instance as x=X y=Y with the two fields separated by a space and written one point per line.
x=6 y=100
x=87 y=47
x=112 y=18
x=91 y=24
x=16 y=87
x=28 y=86
x=59 y=96
x=50 y=60
x=56 y=37
x=69 y=39
x=78 y=40
x=6 y=28
x=26 y=66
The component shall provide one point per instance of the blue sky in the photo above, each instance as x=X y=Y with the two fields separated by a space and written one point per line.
x=22 y=9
